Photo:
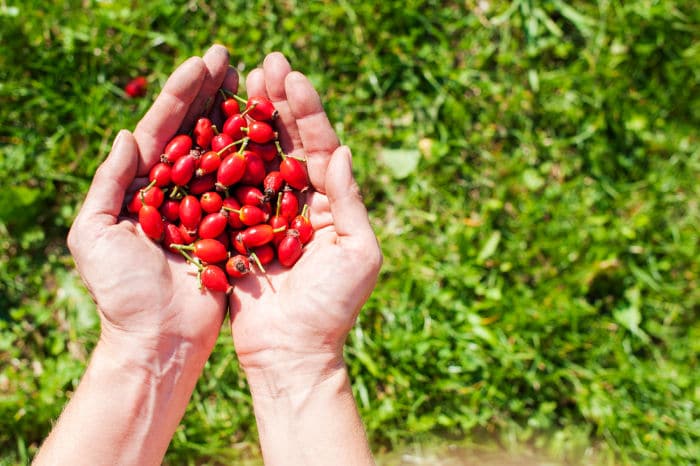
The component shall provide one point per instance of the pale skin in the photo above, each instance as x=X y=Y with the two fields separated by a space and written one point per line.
x=158 y=328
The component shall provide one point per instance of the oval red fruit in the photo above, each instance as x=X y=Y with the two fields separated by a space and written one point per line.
x=203 y=132
x=260 y=108
x=190 y=212
x=170 y=209
x=151 y=222
x=211 y=202
x=233 y=126
x=230 y=171
x=160 y=173
x=212 y=225
x=176 y=148
x=230 y=107
x=261 y=132
x=214 y=278
x=289 y=250
x=238 y=266
x=294 y=173
x=183 y=170
x=210 y=251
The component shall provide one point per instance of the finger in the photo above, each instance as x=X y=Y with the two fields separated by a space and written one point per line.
x=275 y=69
x=166 y=114
x=229 y=84
x=106 y=195
x=255 y=82
x=216 y=63
x=349 y=213
x=315 y=131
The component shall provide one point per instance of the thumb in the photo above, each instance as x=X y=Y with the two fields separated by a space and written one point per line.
x=106 y=195
x=349 y=214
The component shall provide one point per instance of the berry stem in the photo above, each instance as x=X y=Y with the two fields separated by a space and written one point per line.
x=257 y=262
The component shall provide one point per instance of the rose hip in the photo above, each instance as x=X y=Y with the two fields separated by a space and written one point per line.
x=261 y=132
x=238 y=266
x=230 y=171
x=210 y=251
x=214 y=278
x=190 y=212
x=208 y=163
x=160 y=173
x=212 y=225
x=289 y=250
x=183 y=170
x=261 y=108
x=294 y=173
x=202 y=184
x=176 y=148
x=203 y=132
x=233 y=126
x=211 y=202
x=170 y=209
x=151 y=222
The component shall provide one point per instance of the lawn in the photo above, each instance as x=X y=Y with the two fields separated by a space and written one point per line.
x=531 y=169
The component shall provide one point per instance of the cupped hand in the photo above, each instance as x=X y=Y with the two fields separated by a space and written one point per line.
x=146 y=296
x=289 y=325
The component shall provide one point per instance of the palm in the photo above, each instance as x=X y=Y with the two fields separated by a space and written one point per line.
x=309 y=308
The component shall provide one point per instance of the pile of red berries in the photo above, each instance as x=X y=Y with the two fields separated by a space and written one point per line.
x=223 y=198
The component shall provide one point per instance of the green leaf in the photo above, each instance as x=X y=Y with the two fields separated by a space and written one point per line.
x=490 y=247
x=400 y=162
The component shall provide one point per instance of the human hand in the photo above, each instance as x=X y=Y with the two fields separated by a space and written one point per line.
x=289 y=326
x=147 y=298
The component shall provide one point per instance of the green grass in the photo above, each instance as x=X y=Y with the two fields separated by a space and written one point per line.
x=531 y=171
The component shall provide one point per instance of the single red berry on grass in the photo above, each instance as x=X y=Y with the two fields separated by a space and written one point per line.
x=261 y=108
x=290 y=248
x=178 y=146
x=238 y=266
x=136 y=87
x=211 y=202
x=203 y=132
x=190 y=212
x=151 y=222
x=214 y=278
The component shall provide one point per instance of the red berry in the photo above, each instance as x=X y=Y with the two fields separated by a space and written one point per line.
x=234 y=221
x=302 y=224
x=160 y=173
x=210 y=251
x=233 y=126
x=238 y=266
x=178 y=146
x=261 y=108
x=187 y=237
x=202 y=184
x=211 y=202
x=251 y=215
x=203 y=132
x=136 y=87
x=265 y=253
x=261 y=132
x=254 y=169
x=151 y=222
x=183 y=170
x=237 y=241
x=214 y=278
x=223 y=144
x=170 y=209
x=212 y=225
x=288 y=205
x=230 y=171
x=267 y=151
x=172 y=235
x=208 y=163
x=289 y=250
x=294 y=173
x=230 y=107
x=272 y=184
x=258 y=235
x=249 y=195
x=190 y=212
x=278 y=222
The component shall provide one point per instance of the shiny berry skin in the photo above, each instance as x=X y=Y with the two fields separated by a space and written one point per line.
x=230 y=107
x=183 y=170
x=237 y=241
x=187 y=236
x=211 y=202
x=288 y=205
x=272 y=183
x=203 y=132
x=152 y=196
x=170 y=209
x=254 y=169
x=136 y=87
x=251 y=215
x=190 y=212
x=210 y=251
x=265 y=253
x=257 y=235
x=267 y=151
x=178 y=146
x=278 y=222
x=238 y=266
x=289 y=250
x=261 y=108
x=223 y=144
x=160 y=173
x=214 y=278
x=172 y=235
x=301 y=224
x=294 y=173
x=208 y=163
x=212 y=225
x=249 y=195
x=151 y=222
x=233 y=126
x=261 y=132
x=230 y=171
x=202 y=184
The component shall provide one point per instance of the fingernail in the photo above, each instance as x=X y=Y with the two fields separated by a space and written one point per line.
x=118 y=139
